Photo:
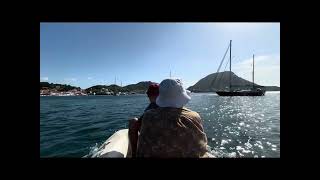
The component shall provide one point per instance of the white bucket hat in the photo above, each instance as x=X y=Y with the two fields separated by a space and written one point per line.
x=172 y=94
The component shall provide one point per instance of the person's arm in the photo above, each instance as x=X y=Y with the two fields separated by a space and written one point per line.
x=202 y=137
x=134 y=127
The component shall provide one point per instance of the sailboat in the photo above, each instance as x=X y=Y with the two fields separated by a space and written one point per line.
x=230 y=92
x=115 y=93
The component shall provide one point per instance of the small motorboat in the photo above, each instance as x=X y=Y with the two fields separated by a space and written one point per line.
x=118 y=146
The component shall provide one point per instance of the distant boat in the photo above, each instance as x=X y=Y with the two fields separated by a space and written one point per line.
x=257 y=92
x=252 y=92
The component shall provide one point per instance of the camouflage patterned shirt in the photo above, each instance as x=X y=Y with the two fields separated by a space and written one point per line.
x=171 y=132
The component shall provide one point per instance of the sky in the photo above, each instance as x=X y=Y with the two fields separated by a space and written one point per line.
x=87 y=54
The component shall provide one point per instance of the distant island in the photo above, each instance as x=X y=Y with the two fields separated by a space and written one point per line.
x=57 y=87
x=51 y=89
x=203 y=85
x=222 y=80
x=139 y=88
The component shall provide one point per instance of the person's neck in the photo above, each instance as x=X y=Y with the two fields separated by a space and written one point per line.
x=152 y=99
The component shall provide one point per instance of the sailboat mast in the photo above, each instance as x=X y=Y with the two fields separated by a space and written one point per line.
x=253 y=72
x=230 y=67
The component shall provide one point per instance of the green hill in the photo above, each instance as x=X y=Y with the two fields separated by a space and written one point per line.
x=140 y=87
x=58 y=87
x=218 y=81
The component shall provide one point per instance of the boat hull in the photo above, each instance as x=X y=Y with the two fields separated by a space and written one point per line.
x=118 y=146
x=241 y=93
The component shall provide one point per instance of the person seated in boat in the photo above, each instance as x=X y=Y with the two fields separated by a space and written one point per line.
x=171 y=130
x=135 y=123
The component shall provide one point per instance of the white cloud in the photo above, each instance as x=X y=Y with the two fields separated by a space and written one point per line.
x=90 y=78
x=266 y=69
x=44 y=78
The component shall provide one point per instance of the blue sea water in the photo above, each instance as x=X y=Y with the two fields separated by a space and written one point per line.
x=72 y=126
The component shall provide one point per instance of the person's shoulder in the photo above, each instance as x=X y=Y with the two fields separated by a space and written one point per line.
x=150 y=116
x=190 y=113
x=150 y=112
x=151 y=106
